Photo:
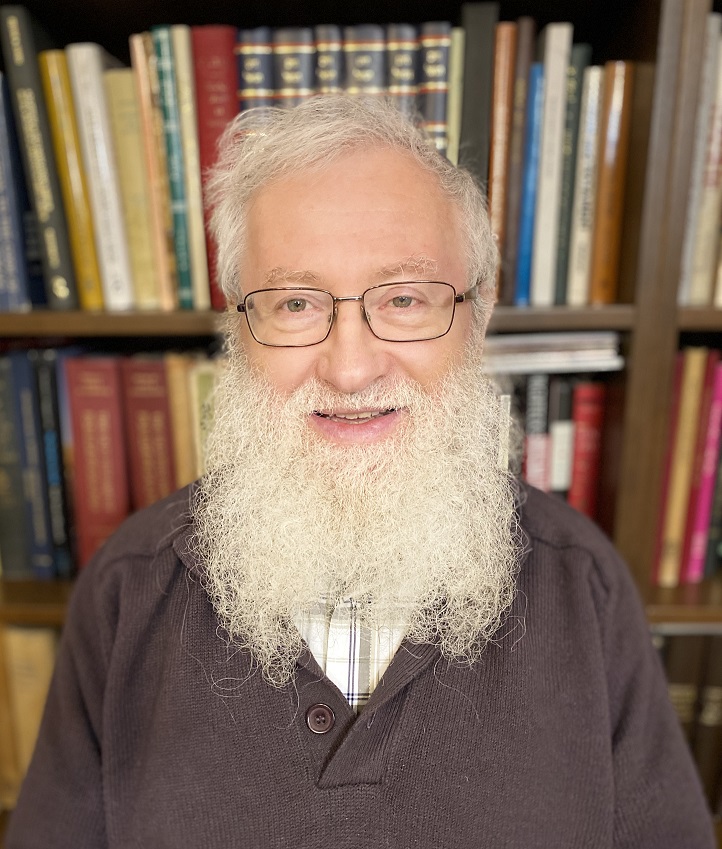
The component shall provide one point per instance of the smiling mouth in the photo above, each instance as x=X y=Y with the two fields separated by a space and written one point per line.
x=355 y=418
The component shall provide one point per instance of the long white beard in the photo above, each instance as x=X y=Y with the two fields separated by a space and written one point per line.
x=422 y=524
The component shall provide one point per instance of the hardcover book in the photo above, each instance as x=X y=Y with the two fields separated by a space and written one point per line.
x=402 y=51
x=294 y=65
x=434 y=47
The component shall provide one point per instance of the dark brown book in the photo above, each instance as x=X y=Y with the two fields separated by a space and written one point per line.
x=708 y=731
x=685 y=657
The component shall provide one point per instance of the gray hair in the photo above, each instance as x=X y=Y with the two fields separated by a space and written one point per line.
x=263 y=145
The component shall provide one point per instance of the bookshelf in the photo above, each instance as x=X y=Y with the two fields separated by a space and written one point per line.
x=666 y=33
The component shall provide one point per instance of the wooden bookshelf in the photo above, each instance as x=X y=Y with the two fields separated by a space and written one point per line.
x=38 y=603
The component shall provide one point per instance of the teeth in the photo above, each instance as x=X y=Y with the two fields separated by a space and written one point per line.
x=356 y=417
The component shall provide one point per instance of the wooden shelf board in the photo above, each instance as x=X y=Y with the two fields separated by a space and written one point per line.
x=692 y=604
x=34 y=602
x=43 y=323
x=702 y=318
x=547 y=319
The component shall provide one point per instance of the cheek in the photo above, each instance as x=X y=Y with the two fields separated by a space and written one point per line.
x=285 y=368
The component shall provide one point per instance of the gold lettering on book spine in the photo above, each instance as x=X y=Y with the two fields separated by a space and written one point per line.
x=39 y=176
x=16 y=42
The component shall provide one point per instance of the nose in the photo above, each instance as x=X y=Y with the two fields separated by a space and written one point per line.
x=352 y=358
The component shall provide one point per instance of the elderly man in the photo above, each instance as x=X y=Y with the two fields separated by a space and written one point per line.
x=358 y=629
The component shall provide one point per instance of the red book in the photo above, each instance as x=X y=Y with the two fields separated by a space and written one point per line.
x=148 y=428
x=100 y=491
x=216 y=104
x=588 y=417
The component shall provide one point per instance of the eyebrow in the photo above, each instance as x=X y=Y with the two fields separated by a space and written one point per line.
x=279 y=276
x=421 y=266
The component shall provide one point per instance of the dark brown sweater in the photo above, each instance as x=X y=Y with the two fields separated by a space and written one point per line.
x=560 y=737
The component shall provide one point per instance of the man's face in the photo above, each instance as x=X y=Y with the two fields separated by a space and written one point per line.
x=372 y=217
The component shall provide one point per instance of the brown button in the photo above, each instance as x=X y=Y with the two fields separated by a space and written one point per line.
x=320 y=718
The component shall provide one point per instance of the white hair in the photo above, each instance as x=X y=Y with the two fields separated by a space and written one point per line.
x=263 y=145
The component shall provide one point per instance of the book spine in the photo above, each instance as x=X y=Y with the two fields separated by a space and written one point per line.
x=148 y=429
x=535 y=108
x=31 y=119
x=364 y=49
x=682 y=461
x=684 y=666
x=71 y=172
x=708 y=732
x=124 y=113
x=502 y=107
x=214 y=66
x=456 y=94
x=294 y=65
x=174 y=160
x=144 y=64
x=14 y=529
x=702 y=506
x=434 y=47
x=14 y=282
x=609 y=206
x=556 y=43
x=329 y=58
x=11 y=777
x=526 y=29
x=479 y=21
x=183 y=55
x=44 y=365
x=100 y=490
x=255 y=68
x=588 y=401
x=561 y=435
x=31 y=455
x=713 y=553
x=85 y=66
x=580 y=57
x=585 y=186
x=536 y=441
x=177 y=368
x=402 y=52
x=201 y=380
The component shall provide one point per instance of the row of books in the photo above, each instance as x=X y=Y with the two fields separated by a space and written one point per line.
x=690 y=523
x=85 y=440
x=701 y=272
x=114 y=156
x=693 y=663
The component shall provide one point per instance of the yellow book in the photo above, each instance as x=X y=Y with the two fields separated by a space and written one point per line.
x=73 y=185
x=10 y=776
x=202 y=378
x=177 y=369
x=122 y=99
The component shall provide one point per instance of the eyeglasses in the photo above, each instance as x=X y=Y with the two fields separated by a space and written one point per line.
x=409 y=311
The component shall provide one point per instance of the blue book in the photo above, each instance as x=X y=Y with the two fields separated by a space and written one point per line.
x=329 y=58
x=435 y=44
x=35 y=489
x=530 y=171
x=402 y=59
x=364 y=48
x=294 y=65
x=255 y=68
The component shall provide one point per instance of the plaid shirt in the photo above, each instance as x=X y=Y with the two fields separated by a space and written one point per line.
x=352 y=655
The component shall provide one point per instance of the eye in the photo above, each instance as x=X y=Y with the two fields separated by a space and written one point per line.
x=402 y=301
x=296 y=305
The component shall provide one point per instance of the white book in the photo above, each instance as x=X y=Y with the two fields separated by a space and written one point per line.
x=585 y=186
x=86 y=64
x=704 y=263
x=555 y=46
x=185 y=90
x=705 y=103
x=456 y=94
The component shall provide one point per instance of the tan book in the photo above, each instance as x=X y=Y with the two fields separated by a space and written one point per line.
x=144 y=63
x=10 y=775
x=178 y=368
x=185 y=85
x=456 y=94
x=122 y=97
x=30 y=658
x=71 y=173
x=201 y=380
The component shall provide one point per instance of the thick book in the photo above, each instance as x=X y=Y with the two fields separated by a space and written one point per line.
x=685 y=656
x=561 y=435
x=479 y=22
x=588 y=407
x=148 y=429
x=145 y=67
x=15 y=295
x=185 y=85
x=71 y=172
x=364 y=49
x=609 y=201
x=36 y=148
x=10 y=775
x=86 y=63
x=14 y=527
x=100 y=480
x=214 y=66
x=403 y=64
x=124 y=111
x=585 y=187
x=177 y=371
x=581 y=56
x=294 y=65
x=434 y=69
x=530 y=171
x=201 y=381
x=681 y=466
x=536 y=439
x=254 y=51
x=555 y=44
x=502 y=110
x=708 y=732
x=705 y=469
x=456 y=94
x=165 y=64
x=329 y=58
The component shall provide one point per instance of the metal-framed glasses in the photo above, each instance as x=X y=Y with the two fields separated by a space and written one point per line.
x=408 y=311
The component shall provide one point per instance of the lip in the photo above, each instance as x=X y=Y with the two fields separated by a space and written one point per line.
x=360 y=428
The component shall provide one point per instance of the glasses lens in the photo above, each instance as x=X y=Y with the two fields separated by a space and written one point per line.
x=410 y=312
x=289 y=317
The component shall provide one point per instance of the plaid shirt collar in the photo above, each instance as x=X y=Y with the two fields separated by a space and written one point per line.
x=352 y=655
